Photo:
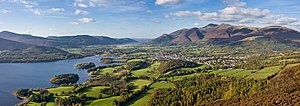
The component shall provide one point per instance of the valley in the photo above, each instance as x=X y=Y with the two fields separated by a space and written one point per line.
x=201 y=72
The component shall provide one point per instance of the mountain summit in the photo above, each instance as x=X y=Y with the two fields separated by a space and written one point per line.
x=228 y=33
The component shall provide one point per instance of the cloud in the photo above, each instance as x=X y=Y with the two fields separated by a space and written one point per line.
x=35 y=11
x=155 y=20
x=3 y=11
x=252 y=12
x=112 y=5
x=197 y=24
x=235 y=12
x=92 y=3
x=234 y=3
x=86 y=20
x=73 y=23
x=25 y=3
x=1 y=23
x=168 y=2
x=52 y=10
x=29 y=4
x=82 y=5
x=78 y=11
x=187 y=13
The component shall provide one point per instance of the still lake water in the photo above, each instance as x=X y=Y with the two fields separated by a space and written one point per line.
x=36 y=75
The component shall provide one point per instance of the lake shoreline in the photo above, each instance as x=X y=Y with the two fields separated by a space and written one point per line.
x=37 y=75
x=45 y=61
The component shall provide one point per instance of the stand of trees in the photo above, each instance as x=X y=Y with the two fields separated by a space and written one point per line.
x=85 y=65
x=135 y=65
x=284 y=90
x=166 y=66
x=64 y=79
x=204 y=89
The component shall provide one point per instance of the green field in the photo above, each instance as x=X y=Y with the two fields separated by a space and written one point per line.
x=138 y=53
x=143 y=99
x=59 y=90
x=139 y=83
x=264 y=73
x=162 y=85
x=201 y=66
x=176 y=78
x=39 y=104
x=234 y=73
x=94 y=91
x=102 y=102
x=106 y=70
x=149 y=71
x=136 y=60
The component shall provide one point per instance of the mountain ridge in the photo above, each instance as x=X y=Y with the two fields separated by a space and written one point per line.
x=226 y=33
x=63 y=41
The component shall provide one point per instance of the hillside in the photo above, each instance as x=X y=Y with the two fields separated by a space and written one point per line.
x=36 y=54
x=63 y=41
x=24 y=38
x=12 y=45
x=284 y=91
x=227 y=34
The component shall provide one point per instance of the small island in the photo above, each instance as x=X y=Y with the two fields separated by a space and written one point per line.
x=107 y=60
x=85 y=65
x=64 y=79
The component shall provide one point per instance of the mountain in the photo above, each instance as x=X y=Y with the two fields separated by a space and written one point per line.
x=62 y=41
x=86 y=40
x=225 y=33
x=12 y=45
x=24 y=38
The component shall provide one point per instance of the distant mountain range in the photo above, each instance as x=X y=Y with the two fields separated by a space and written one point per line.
x=14 y=41
x=229 y=34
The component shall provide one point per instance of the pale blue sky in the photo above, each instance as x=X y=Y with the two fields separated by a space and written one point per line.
x=140 y=18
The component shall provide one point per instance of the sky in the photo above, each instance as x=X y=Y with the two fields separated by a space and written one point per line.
x=140 y=18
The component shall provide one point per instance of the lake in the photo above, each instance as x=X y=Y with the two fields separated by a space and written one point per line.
x=14 y=76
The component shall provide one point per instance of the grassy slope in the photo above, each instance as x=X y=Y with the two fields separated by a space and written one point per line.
x=94 y=91
x=102 y=102
x=139 y=83
x=143 y=99
x=106 y=70
x=59 y=90
x=136 y=60
x=234 y=73
x=149 y=71
x=264 y=73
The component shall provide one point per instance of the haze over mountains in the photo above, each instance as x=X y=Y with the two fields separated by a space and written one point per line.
x=14 y=41
x=228 y=34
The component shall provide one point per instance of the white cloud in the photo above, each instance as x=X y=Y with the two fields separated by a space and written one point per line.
x=280 y=20
x=1 y=23
x=82 y=5
x=92 y=3
x=252 y=12
x=112 y=5
x=197 y=24
x=86 y=20
x=78 y=11
x=56 y=10
x=236 y=13
x=35 y=11
x=187 y=13
x=168 y=2
x=234 y=3
x=155 y=20
x=25 y=3
x=73 y=23
x=3 y=11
